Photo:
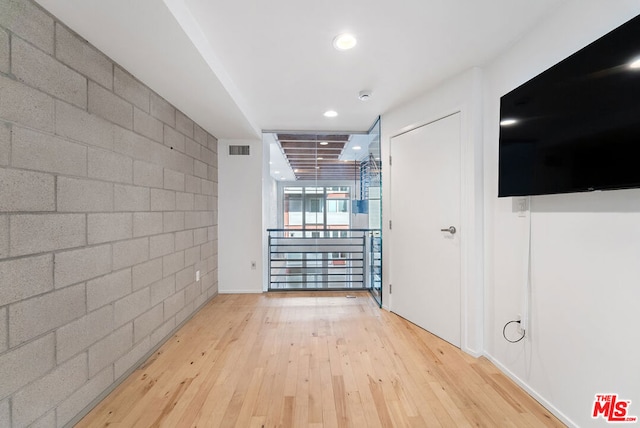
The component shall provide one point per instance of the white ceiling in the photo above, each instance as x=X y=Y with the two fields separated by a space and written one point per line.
x=239 y=67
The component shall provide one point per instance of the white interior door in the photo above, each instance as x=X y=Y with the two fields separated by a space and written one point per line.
x=425 y=198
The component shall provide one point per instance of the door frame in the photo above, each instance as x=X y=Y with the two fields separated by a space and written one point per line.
x=471 y=220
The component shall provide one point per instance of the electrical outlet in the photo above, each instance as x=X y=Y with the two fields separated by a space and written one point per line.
x=519 y=328
x=520 y=206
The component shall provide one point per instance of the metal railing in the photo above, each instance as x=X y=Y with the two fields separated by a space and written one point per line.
x=324 y=259
x=375 y=265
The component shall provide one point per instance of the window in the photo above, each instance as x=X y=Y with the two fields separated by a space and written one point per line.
x=337 y=206
x=316 y=207
x=295 y=205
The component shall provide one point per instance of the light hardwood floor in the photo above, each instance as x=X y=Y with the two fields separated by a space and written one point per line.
x=312 y=360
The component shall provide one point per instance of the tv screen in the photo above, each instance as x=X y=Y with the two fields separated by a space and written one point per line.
x=576 y=126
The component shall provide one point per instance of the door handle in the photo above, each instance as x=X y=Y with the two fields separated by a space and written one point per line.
x=450 y=229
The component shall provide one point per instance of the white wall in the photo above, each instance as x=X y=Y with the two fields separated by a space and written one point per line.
x=241 y=230
x=585 y=250
x=460 y=94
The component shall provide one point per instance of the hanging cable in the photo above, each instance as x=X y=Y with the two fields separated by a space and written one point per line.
x=526 y=283
x=527 y=274
x=504 y=332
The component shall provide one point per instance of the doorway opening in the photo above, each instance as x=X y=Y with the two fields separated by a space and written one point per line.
x=326 y=214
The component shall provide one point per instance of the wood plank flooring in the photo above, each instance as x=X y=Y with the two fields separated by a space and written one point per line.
x=315 y=359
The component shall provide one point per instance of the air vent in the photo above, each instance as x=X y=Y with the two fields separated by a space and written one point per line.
x=239 y=150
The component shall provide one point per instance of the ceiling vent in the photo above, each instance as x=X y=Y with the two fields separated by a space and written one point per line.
x=239 y=150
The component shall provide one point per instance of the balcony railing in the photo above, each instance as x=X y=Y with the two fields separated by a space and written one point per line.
x=324 y=259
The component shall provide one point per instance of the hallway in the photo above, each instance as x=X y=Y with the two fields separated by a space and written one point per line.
x=313 y=359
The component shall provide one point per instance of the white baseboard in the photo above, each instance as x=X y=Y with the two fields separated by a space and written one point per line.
x=472 y=352
x=522 y=384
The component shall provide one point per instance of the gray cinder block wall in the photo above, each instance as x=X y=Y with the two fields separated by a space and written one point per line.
x=108 y=208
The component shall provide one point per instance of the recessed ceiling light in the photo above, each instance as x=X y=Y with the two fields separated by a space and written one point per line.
x=317 y=167
x=635 y=63
x=320 y=158
x=323 y=143
x=276 y=172
x=507 y=122
x=344 y=42
x=296 y=170
x=330 y=113
x=356 y=147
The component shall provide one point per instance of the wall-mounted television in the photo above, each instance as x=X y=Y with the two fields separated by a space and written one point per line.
x=576 y=126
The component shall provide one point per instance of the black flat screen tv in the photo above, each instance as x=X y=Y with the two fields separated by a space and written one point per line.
x=576 y=126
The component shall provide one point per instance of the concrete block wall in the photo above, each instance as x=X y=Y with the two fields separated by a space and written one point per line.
x=108 y=208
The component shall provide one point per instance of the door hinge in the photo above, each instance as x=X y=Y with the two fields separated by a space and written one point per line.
x=390 y=224
x=390 y=288
x=389 y=160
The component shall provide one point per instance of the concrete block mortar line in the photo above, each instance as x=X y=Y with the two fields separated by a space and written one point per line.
x=111 y=261
x=113 y=92
x=55 y=39
x=87 y=109
x=89 y=378
x=10 y=402
x=52 y=330
x=55 y=333
x=9 y=228
x=10 y=144
x=53 y=400
x=133 y=111
x=54 y=174
x=88 y=344
x=113 y=196
x=162 y=306
x=164 y=130
x=52 y=57
x=47 y=13
x=10 y=59
x=6 y=325
x=162 y=144
x=87 y=154
x=53 y=133
x=83 y=40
